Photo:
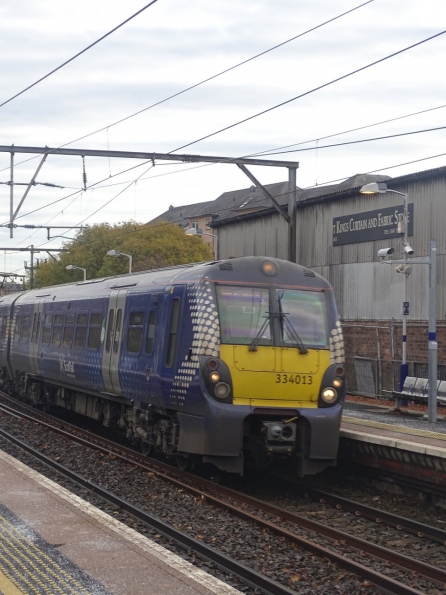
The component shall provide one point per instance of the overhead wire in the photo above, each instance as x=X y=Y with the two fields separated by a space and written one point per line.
x=266 y=152
x=279 y=195
x=194 y=86
x=431 y=109
x=293 y=99
x=225 y=71
x=139 y=178
x=318 y=88
x=359 y=141
x=78 y=54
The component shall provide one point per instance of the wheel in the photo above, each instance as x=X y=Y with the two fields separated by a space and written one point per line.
x=183 y=462
x=146 y=448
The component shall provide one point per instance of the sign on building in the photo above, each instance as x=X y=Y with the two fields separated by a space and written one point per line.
x=381 y=224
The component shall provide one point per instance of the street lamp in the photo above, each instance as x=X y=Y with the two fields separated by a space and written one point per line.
x=73 y=267
x=196 y=231
x=381 y=188
x=118 y=253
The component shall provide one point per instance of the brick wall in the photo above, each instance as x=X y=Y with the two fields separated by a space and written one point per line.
x=373 y=338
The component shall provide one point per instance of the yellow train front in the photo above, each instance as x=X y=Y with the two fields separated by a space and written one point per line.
x=272 y=362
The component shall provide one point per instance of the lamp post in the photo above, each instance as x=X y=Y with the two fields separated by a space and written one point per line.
x=73 y=267
x=118 y=253
x=381 y=188
x=194 y=231
x=431 y=261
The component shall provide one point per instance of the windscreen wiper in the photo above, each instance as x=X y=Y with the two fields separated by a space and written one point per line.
x=255 y=341
x=293 y=334
x=290 y=328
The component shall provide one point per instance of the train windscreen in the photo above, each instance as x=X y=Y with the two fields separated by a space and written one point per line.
x=305 y=314
x=244 y=315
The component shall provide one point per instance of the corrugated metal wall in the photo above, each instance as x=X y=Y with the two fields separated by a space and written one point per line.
x=267 y=236
x=365 y=288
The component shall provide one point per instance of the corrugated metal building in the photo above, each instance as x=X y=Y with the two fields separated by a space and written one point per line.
x=369 y=293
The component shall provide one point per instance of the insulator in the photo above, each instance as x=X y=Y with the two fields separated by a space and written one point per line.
x=84 y=173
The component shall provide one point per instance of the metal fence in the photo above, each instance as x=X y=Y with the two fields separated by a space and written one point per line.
x=370 y=377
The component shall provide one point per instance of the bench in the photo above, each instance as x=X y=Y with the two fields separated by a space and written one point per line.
x=417 y=390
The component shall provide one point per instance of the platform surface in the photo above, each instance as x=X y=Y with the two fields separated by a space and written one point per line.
x=53 y=542
x=407 y=430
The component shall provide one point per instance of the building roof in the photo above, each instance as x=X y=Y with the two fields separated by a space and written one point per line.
x=181 y=215
x=251 y=202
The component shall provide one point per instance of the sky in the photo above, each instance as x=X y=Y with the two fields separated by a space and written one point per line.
x=173 y=45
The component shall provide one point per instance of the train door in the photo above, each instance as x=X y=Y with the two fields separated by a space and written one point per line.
x=112 y=343
x=35 y=333
x=173 y=308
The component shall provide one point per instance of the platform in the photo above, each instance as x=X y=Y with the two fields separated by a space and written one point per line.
x=53 y=542
x=405 y=443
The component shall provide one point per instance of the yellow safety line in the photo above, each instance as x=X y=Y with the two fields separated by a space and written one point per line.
x=393 y=428
x=37 y=553
x=5 y=564
x=7 y=586
x=35 y=572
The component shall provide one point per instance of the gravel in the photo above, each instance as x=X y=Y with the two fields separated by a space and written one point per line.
x=287 y=563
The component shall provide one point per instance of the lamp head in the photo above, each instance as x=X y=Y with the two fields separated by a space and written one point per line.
x=71 y=267
x=374 y=188
x=113 y=253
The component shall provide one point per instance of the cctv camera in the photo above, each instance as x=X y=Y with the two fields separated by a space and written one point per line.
x=408 y=250
x=385 y=252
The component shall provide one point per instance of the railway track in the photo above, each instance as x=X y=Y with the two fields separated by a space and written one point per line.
x=352 y=552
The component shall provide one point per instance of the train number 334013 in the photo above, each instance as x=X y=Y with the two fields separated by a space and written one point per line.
x=294 y=379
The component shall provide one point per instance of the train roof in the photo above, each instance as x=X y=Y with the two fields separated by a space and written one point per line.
x=248 y=269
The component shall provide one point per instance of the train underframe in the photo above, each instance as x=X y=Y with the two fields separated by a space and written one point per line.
x=263 y=439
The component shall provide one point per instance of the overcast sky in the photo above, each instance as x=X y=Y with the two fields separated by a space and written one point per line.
x=175 y=44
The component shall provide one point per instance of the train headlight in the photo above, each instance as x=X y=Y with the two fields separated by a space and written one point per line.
x=337 y=383
x=212 y=364
x=339 y=371
x=214 y=377
x=329 y=395
x=222 y=390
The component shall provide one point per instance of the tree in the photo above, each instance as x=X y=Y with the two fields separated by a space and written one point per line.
x=151 y=246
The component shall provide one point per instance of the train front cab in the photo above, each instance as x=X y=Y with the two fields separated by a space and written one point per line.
x=281 y=355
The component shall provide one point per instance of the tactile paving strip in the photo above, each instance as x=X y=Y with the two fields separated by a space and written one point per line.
x=34 y=566
x=393 y=428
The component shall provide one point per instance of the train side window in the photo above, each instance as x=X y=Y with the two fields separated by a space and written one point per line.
x=117 y=336
x=4 y=326
x=111 y=318
x=81 y=330
x=46 y=337
x=68 y=330
x=94 y=330
x=17 y=329
x=57 y=330
x=33 y=334
x=173 y=332
x=150 y=340
x=26 y=321
x=36 y=328
x=135 y=332
x=39 y=315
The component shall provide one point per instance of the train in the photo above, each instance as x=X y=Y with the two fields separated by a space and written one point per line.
x=230 y=362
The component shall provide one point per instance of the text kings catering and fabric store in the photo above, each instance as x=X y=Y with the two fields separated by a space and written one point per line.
x=373 y=225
